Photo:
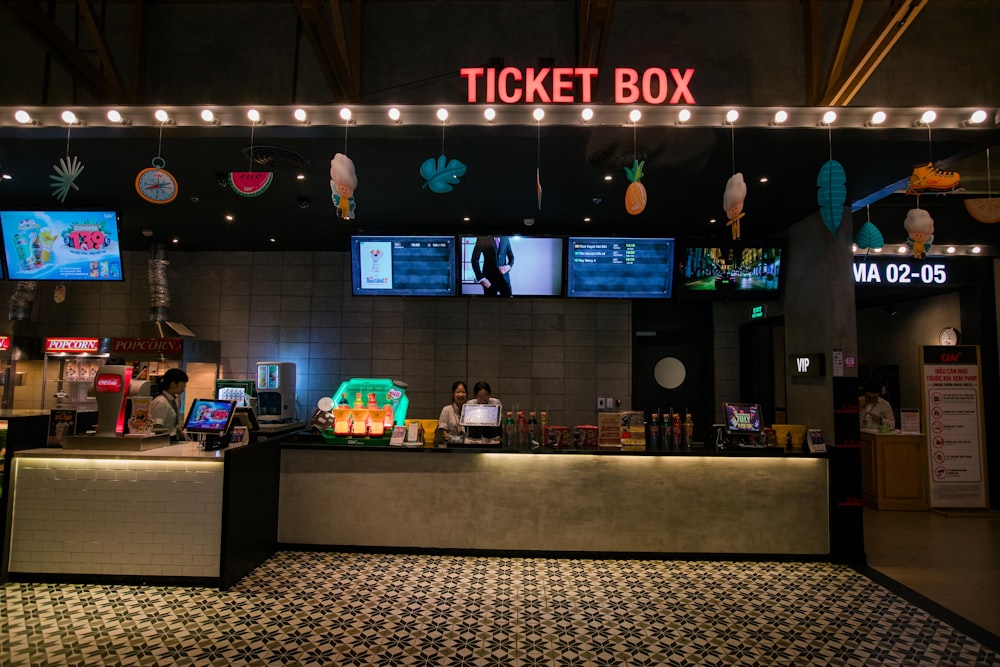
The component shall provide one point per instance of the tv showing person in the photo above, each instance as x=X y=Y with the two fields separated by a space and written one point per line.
x=492 y=260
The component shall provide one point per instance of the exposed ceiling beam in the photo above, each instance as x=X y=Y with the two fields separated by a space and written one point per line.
x=846 y=33
x=897 y=18
x=593 y=27
x=810 y=31
x=138 y=50
x=325 y=31
x=69 y=55
x=110 y=70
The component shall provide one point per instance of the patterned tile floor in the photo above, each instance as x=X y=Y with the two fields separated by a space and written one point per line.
x=361 y=609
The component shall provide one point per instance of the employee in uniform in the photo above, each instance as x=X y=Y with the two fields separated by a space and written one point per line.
x=875 y=411
x=164 y=409
x=481 y=394
x=451 y=414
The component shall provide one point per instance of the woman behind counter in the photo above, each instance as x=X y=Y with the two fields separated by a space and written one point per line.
x=448 y=422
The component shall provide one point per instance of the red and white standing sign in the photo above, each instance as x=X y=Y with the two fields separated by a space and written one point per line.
x=953 y=403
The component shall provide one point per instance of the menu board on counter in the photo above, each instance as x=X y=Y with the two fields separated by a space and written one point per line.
x=953 y=403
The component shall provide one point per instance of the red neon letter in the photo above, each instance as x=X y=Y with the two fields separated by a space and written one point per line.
x=471 y=73
x=647 y=85
x=505 y=94
x=562 y=80
x=533 y=85
x=586 y=74
x=625 y=78
x=682 y=85
x=491 y=85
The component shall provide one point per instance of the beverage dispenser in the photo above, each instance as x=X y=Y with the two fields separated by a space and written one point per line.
x=275 y=391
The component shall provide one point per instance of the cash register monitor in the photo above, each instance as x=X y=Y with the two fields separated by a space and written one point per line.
x=246 y=417
x=742 y=418
x=480 y=414
x=210 y=416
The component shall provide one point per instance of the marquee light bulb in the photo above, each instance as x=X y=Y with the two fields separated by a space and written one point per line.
x=732 y=116
x=114 y=116
x=161 y=115
x=22 y=116
x=878 y=118
x=634 y=115
x=976 y=250
x=902 y=250
x=684 y=115
x=69 y=117
x=950 y=250
x=207 y=115
x=928 y=117
x=253 y=115
x=442 y=114
x=977 y=116
x=490 y=114
x=780 y=116
x=829 y=117
x=587 y=115
x=300 y=115
x=394 y=115
x=345 y=114
x=538 y=114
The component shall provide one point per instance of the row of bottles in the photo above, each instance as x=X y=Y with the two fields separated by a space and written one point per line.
x=666 y=431
x=525 y=434
x=362 y=421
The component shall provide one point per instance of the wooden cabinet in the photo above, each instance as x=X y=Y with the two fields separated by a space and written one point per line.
x=894 y=471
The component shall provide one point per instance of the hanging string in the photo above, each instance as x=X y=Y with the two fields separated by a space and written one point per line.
x=68 y=129
x=989 y=180
x=930 y=145
x=347 y=124
x=732 y=143
x=868 y=211
x=159 y=143
x=635 y=154
x=829 y=139
x=538 y=156
x=252 y=123
x=442 y=137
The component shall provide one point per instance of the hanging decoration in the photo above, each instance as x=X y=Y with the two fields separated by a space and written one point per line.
x=985 y=210
x=538 y=163
x=635 y=195
x=736 y=189
x=442 y=175
x=869 y=237
x=832 y=194
x=919 y=231
x=928 y=179
x=155 y=184
x=343 y=182
x=250 y=183
x=66 y=173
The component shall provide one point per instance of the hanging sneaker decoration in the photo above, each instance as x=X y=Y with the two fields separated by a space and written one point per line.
x=832 y=184
x=985 y=209
x=869 y=237
x=343 y=183
x=635 y=195
x=66 y=172
x=928 y=179
x=732 y=202
x=442 y=175
x=919 y=231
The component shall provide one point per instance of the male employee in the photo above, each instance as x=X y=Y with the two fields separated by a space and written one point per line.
x=492 y=260
x=875 y=411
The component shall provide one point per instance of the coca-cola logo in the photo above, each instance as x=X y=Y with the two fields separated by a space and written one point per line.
x=160 y=345
x=4 y=342
x=108 y=382
x=950 y=357
x=71 y=345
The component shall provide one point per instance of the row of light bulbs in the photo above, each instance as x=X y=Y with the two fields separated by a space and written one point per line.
x=586 y=115
x=902 y=250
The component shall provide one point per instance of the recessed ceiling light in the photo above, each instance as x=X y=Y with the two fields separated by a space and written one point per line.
x=608 y=177
x=711 y=221
x=230 y=217
x=176 y=240
x=300 y=177
x=466 y=218
x=763 y=179
x=586 y=219
x=274 y=240
x=147 y=232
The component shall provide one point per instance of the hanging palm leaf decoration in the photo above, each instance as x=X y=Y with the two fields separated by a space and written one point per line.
x=832 y=183
x=869 y=237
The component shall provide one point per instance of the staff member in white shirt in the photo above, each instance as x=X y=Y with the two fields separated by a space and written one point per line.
x=164 y=409
x=875 y=411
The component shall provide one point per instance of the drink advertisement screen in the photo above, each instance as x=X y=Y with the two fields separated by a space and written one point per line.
x=61 y=245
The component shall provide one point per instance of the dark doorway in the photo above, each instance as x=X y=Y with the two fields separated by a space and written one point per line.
x=758 y=364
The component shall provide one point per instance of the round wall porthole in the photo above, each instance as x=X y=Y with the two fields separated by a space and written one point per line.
x=669 y=372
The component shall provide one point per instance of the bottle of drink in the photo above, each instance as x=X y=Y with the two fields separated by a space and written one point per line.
x=677 y=430
x=654 y=431
x=342 y=403
x=36 y=250
x=388 y=420
x=532 y=430
x=688 y=430
x=509 y=432
x=666 y=430
x=372 y=403
x=357 y=400
x=544 y=423
x=522 y=431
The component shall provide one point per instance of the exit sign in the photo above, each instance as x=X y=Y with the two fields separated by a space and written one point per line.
x=758 y=312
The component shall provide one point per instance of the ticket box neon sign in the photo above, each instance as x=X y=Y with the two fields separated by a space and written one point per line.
x=511 y=85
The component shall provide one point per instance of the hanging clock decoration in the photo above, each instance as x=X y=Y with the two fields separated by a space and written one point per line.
x=155 y=184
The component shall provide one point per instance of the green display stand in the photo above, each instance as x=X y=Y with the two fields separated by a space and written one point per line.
x=386 y=391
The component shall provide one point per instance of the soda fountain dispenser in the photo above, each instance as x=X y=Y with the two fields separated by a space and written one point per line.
x=275 y=391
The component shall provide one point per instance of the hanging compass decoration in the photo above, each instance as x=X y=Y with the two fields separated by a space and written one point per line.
x=155 y=184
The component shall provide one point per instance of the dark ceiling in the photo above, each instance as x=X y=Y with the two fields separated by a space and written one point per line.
x=685 y=175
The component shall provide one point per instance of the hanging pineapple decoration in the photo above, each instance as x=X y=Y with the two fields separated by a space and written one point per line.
x=635 y=196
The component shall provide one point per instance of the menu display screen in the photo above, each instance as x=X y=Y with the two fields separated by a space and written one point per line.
x=61 y=245
x=625 y=268
x=403 y=265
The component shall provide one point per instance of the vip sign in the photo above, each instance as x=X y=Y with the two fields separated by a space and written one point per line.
x=806 y=365
x=545 y=85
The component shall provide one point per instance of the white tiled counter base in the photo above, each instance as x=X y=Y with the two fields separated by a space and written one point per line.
x=116 y=516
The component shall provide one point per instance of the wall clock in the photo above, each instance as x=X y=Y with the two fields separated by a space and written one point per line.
x=949 y=336
x=155 y=184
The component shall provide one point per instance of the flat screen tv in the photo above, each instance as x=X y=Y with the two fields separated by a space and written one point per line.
x=61 y=245
x=210 y=416
x=535 y=265
x=622 y=268
x=729 y=271
x=403 y=265
x=742 y=417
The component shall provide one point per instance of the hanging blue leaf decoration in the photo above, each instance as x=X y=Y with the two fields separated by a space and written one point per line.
x=869 y=237
x=442 y=174
x=832 y=183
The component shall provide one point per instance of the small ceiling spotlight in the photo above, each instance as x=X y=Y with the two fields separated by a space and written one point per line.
x=24 y=118
x=300 y=177
x=253 y=115
x=147 y=232
x=877 y=119
x=162 y=116
x=490 y=114
x=69 y=117
x=732 y=116
x=229 y=217
x=587 y=114
x=928 y=117
x=301 y=116
x=345 y=114
x=975 y=250
x=634 y=115
x=442 y=115
x=902 y=250
x=394 y=115
x=608 y=177
x=683 y=116
x=763 y=179
x=466 y=219
x=712 y=221
x=538 y=114
x=950 y=250
x=273 y=240
x=586 y=219
x=175 y=240
x=829 y=117
x=116 y=117
x=208 y=116
x=780 y=117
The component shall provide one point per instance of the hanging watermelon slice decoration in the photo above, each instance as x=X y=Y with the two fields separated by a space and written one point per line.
x=250 y=183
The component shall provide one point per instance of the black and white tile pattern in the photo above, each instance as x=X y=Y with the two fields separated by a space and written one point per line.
x=435 y=611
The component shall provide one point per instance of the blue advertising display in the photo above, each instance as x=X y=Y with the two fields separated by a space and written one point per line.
x=210 y=416
x=622 y=268
x=61 y=245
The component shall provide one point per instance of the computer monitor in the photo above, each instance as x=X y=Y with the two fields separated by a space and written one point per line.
x=742 y=417
x=480 y=414
x=210 y=416
x=246 y=417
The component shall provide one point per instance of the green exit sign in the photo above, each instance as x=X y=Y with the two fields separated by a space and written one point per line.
x=757 y=312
